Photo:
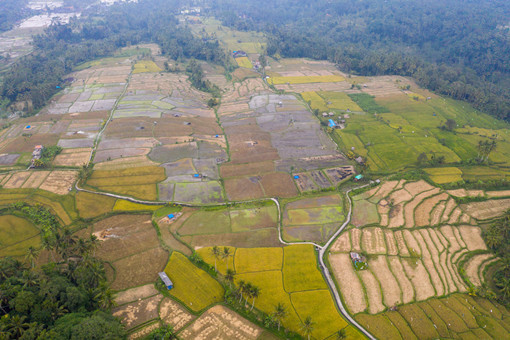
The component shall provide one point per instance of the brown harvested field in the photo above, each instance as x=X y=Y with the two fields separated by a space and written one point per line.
x=472 y=266
x=136 y=293
x=349 y=283
x=373 y=291
x=220 y=322
x=409 y=207
x=384 y=190
x=383 y=211
x=424 y=210
x=139 y=269
x=22 y=144
x=124 y=163
x=17 y=179
x=434 y=255
x=239 y=189
x=59 y=181
x=475 y=193
x=138 y=312
x=429 y=264
x=412 y=244
x=472 y=236
x=278 y=185
x=125 y=235
x=437 y=213
x=342 y=243
x=173 y=314
x=235 y=170
x=36 y=179
x=391 y=243
x=455 y=215
x=400 y=196
x=419 y=277
x=355 y=239
x=396 y=216
x=389 y=285
x=415 y=188
x=405 y=285
x=458 y=192
x=450 y=205
x=487 y=209
x=73 y=157
x=372 y=241
x=503 y=193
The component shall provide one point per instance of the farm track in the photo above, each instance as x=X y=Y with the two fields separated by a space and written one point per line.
x=322 y=249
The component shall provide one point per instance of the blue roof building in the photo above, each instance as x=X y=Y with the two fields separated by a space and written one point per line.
x=331 y=124
x=166 y=280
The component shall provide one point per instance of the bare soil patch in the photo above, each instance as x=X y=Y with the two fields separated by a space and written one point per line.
x=487 y=209
x=384 y=190
x=503 y=193
x=472 y=236
x=235 y=170
x=391 y=243
x=59 y=181
x=415 y=188
x=454 y=217
x=342 y=243
x=355 y=239
x=372 y=241
x=73 y=157
x=219 y=322
x=349 y=283
x=400 y=196
x=136 y=293
x=139 y=312
x=174 y=314
x=423 y=211
x=396 y=216
x=419 y=277
x=450 y=205
x=437 y=213
x=17 y=180
x=409 y=207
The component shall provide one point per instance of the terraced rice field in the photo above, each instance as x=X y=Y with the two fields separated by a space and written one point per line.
x=414 y=252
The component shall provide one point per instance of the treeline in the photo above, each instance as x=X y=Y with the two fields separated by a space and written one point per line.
x=12 y=11
x=35 y=78
x=459 y=48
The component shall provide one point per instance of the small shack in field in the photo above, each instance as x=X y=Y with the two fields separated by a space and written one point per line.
x=166 y=280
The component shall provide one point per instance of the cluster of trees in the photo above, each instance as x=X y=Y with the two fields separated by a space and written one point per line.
x=197 y=79
x=48 y=154
x=66 y=298
x=12 y=11
x=497 y=237
x=457 y=48
x=38 y=76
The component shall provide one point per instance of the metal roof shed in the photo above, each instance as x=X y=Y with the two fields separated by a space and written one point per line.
x=166 y=280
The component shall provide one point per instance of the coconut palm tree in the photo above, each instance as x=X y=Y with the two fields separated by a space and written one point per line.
x=31 y=255
x=105 y=297
x=241 y=289
x=17 y=326
x=226 y=254
x=229 y=276
x=504 y=286
x=47 y=244
x=279 y=313
x=247 y=291
x=255 y=292
x=215 y=251
x=307 y=326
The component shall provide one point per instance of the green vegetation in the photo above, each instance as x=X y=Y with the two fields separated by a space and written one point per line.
x=144 y=66
x=92 y=205
x=17 y=235
x=300 y=270
x=367 y=103
x=192 y=286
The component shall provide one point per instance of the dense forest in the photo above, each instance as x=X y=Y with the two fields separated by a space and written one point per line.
x=459 y=48
x=67 y=298
x=38 y=76
x=11 y=12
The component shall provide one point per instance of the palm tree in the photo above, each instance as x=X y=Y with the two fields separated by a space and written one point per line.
x=308 y=326
x=17 y=326
x=279 y=313
x=247 y=291
x=242 y=285
x=493 y=238
x=226 y=254
x=31 y=255
x=229 y=276
x=104 y=296
x=215 y=251
x=255 y=292
x=47 y=244
x=504 y=286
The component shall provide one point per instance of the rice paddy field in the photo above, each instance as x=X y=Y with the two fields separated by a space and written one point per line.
x=289 y=276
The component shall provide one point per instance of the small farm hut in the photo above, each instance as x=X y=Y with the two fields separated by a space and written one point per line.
x=166 y=280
